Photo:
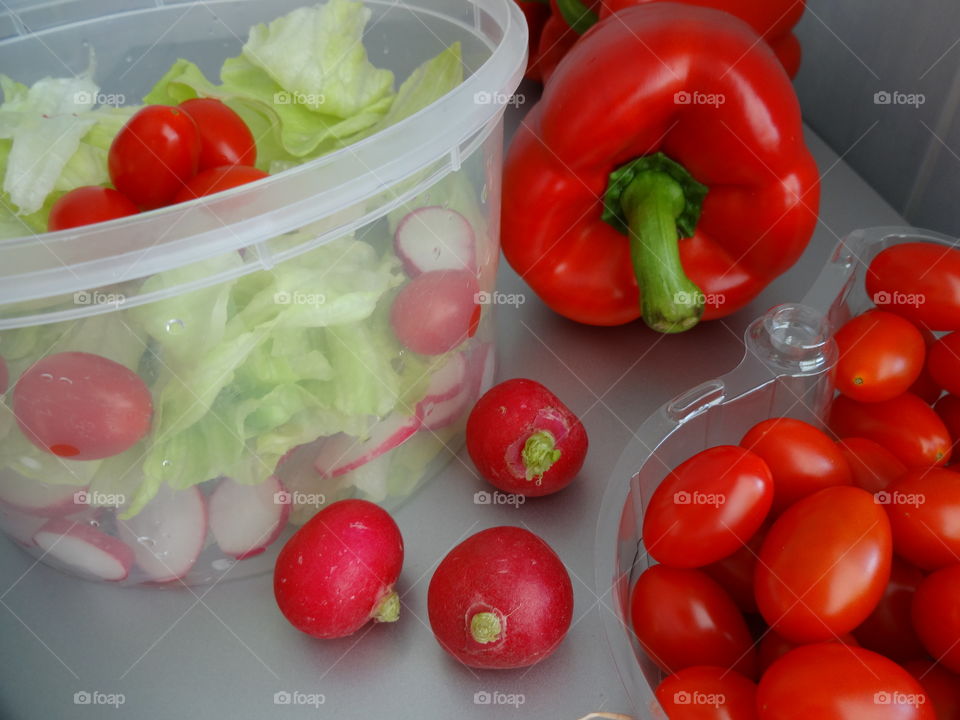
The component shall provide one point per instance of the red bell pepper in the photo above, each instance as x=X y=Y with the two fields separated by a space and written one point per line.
x=666 y=154
x=774 y=20
x=536 y=13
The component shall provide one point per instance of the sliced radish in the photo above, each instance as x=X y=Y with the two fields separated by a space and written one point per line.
x=442 y=414
x=246 y=519
x=448 y=380
x=435 y=238
x=38 y=498
x=85 y=549
x=167 y=535
x=342 y=453
x=371 y=478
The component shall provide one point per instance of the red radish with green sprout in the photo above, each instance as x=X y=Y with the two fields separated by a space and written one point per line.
x=524 y=440
x=500 y=599
x=338 y=571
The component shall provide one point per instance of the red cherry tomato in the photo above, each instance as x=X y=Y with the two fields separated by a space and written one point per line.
x=708 y=693
x=925 y=388
x=88 y=205
x=936 y=616
x=948 y=408
x=874 y=467
x=889 y=630
x=683 y=618
x=82 y=406
x=436 y=311
x=918 y=281
x=707 y=507
x=942 y=686
x=906 y=426
x=218 y=179
x=836 y=682
x=774 y=646
x=802 y=458
x=225 y=138
x=943 y=363
x=824 y=565
x=924 y=511
x=881 y=356
x=153 y=155
x=735 y=572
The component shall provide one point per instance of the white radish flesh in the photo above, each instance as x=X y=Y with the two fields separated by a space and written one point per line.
x=435 y=238
x=85 y=549
x=167 y=536
x=342 y=453
x=246 y=519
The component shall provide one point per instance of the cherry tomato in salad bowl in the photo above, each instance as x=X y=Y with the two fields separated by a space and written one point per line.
x=88 y=205
x=153 y=155
x=225 y=138
x=218 y=179
x=82 y=406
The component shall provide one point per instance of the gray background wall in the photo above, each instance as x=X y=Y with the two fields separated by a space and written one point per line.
x=909 y=149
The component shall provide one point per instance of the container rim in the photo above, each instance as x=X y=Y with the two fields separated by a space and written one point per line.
x=225 y=222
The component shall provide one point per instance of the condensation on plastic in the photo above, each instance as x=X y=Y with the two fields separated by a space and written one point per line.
x=786 y=371
x=334 y=195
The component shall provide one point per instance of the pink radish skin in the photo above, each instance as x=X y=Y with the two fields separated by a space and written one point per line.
x=435 y=238
x=447 y=395
x=85 y=549
x=246 y=519
x=338 y=571
x=342 y=453
x=38 y=498
x=173 y=526
x=500 y=599
x=436 y=311
x=524 y=440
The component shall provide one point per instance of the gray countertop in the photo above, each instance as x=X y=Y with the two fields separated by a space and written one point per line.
x=223 y=652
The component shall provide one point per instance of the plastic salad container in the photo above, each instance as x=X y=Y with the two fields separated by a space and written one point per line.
x=786 y=371
x=261 y=321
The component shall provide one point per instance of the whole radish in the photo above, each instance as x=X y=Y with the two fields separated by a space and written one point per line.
x=524 y=440
x=337 y=572
x=500 y=599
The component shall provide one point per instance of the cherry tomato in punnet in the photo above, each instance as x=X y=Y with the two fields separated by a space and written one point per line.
x=735 y=572
x=918 y=281
x=802 y=458
x=707 y=507
x=906 y=426
x=874 y=467
x=88 y=205
x=936 y=616
x=82 y=406
x=880 y=356
x=708 y=693
x=924 y=511
x=683 y=618
x=436 y=311
x=824 y=565
x=948 y=408
x=830 y=681
x=153 y=155
x=942 y=686
x=225 y=138
x=889 y=629
x=925 y=388
x=774 y=646
x=218 y=179
x=943 y=363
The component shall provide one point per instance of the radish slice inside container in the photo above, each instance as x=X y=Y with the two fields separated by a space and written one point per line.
x=246 y=519
x=20 y=526
x=38 y=498
x=435 y=238
x=167 y=536
x=85 y=549
x=341 y=453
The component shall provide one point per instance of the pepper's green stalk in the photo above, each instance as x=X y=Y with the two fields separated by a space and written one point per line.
x=577 y=15
x=655 y=201
x=539 y=454
x=485 y=627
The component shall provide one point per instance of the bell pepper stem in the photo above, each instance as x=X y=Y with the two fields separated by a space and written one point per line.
x=577 y=15
x=656 y=202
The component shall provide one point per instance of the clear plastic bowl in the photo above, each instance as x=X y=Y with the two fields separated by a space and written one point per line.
x=786 y=371
x=141 y=289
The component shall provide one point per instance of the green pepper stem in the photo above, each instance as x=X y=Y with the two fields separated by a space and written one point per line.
x=577 y=15
x=652 y=202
